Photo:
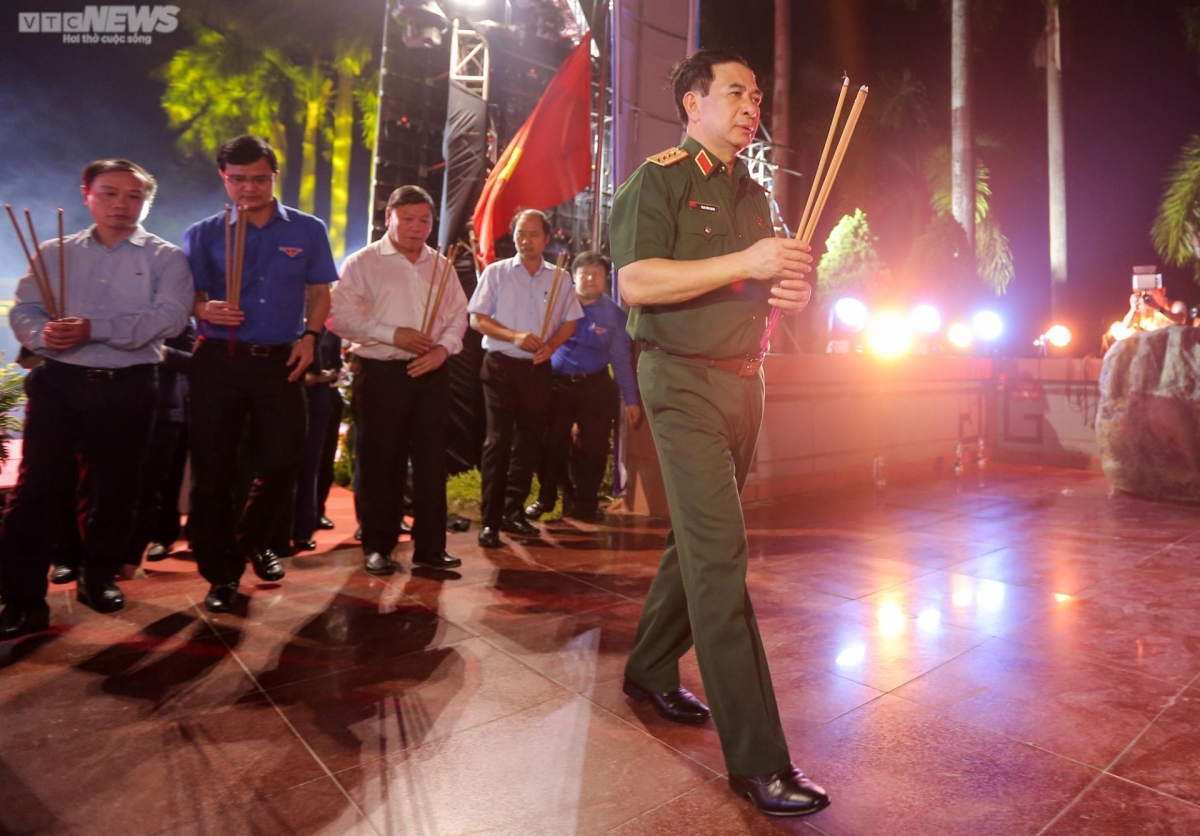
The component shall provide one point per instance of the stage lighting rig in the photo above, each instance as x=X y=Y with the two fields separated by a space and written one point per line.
x=424 y=23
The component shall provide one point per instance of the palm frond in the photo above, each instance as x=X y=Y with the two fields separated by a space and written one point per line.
x=1176 y=228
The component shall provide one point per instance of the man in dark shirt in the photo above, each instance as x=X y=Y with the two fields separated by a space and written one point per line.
x=692 y=238
x=248 y=365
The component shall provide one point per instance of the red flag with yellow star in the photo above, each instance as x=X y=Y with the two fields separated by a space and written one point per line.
x=550 y=158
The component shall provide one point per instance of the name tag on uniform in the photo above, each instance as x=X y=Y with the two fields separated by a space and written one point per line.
x=291 y=252
x=704 y=207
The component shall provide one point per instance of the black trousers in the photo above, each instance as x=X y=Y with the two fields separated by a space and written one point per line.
x=516 y=396
x=401 y=417
x=156 y=473
x=590 y=401
x=74 y=418
x=329 y=450
x=306 y=509
x=226 y=393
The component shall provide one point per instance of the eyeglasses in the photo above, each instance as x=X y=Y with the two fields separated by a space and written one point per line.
x=256 y=180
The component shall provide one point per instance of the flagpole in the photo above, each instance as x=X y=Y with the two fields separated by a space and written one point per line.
x=602 y=13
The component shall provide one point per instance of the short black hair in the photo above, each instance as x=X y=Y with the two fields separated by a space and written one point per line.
x=246 y=150
x=409 y=196
x=95 y=169
x=590 y=258
x=520 y=213
x=696 y=73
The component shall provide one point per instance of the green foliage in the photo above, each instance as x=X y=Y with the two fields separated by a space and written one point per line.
x=12 y=396
x=1176 y=229
x=851 y=263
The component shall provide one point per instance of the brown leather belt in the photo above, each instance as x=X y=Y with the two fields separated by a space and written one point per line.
x=747 y=367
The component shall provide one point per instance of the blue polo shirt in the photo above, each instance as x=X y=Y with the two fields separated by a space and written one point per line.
x=279 y=262
x=599 y=341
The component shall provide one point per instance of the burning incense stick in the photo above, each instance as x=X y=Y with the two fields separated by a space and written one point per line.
x=843 y=143
x=812 y=211
x=818 y=174
x=447 y=271
x=62 y=266
x=42 y=283
x=555 y=287
x=433 y=276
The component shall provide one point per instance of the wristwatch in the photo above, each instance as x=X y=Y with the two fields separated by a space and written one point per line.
x=316 y=335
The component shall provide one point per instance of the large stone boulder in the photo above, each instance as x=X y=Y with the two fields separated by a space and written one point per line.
x=1148 y=419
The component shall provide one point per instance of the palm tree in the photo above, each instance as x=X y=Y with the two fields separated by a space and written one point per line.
x=1057 y=171
x=961 y=139
x=312 y=87
x=350 y=60
x=1176 y=230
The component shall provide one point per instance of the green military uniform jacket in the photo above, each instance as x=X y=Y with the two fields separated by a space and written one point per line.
x=682 y=205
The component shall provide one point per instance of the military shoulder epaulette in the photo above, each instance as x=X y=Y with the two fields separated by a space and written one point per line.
x=669 y=157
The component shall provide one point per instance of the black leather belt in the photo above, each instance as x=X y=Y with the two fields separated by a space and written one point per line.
x=579 y=377
x=94 y=375
x=241 y=349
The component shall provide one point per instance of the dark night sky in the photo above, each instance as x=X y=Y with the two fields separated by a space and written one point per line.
x=1132 y=93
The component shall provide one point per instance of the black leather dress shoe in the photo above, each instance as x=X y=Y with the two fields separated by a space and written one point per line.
x=266 y=565
x=787 y=792
x=379 y=564
x=17 y=621
x=489 y=538
x=220 y=597
x=102 y=595
x=62 y=574
x=523 y=528
x=534 y=510
x=434 y=560
x=157 y=552
x=678 y=706
x=405 y=528
x=325 y=524
x=303 y=545
x=358 y=534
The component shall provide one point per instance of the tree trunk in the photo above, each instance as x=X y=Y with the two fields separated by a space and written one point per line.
x=1058 y=177
x=962 y=158
x=343 y=143
x=780 y=134
x=315 y=89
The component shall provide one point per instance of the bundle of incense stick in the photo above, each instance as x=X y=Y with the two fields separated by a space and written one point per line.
x=233 y=265
x=431 y=313
x=37 y=264
x=560 y=272
x=823 y=182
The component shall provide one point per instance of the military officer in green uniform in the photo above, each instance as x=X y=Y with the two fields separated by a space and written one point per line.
x=701 y=269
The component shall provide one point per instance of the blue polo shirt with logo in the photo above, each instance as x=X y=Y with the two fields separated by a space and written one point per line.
x=279 y=262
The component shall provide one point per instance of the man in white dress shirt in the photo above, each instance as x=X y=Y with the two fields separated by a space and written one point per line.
x=509 y=308
x=401 y=393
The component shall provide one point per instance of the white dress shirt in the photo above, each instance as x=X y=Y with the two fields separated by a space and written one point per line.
x=510 y=295
x=380 y=290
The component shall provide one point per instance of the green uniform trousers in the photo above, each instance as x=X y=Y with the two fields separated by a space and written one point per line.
x=705 y=424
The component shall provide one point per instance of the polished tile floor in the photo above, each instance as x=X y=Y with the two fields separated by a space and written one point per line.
x=1020 y=656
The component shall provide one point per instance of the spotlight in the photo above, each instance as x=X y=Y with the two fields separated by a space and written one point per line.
x=925 y=319
x=987 y=326
x=1119 y=330
x=1059 y=336
x=424 y=21
x=890 y=335
x=851 y=312
x=960 y=335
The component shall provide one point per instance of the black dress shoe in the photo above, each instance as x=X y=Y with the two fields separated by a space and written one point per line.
x=787 y=792
x=405 y=528
x=220 y=597
x=157 y=552
x=523 y=528
x=678 y=706
x=102 y=596
x=358 y=534
x=17 y=620
x=379 y=564
x=62 y=574
x=266 y=565
x=435 y=560
x=324 y=523
x=489 y=538
x=303 y=545
x=534 y=510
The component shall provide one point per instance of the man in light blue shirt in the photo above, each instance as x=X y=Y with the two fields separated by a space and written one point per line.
x=509 y=308
x=94 y=395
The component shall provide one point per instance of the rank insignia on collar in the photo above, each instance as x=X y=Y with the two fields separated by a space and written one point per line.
x=669 y=157
x=706 y=165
